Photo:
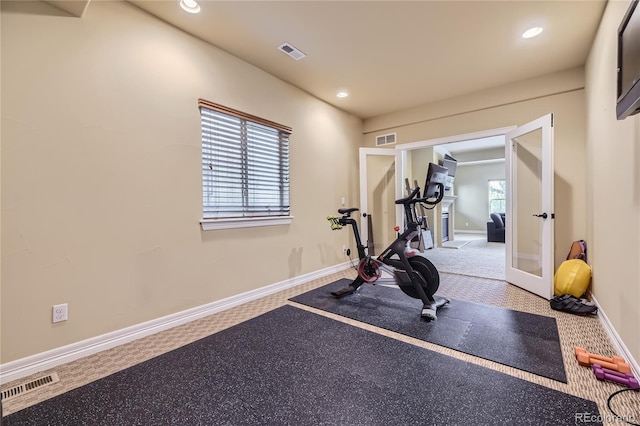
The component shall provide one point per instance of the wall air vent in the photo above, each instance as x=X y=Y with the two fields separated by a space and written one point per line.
x=386 y=139
x=23 y=388
x=292 y=51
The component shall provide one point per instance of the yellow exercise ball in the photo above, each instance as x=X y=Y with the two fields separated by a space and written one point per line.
x=572 y=277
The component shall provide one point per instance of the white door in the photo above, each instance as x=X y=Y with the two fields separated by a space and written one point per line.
x=530 y=214
x=377 y=195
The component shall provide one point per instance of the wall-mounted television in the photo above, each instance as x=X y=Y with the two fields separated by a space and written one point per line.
x=450 y=163
x=628 y=87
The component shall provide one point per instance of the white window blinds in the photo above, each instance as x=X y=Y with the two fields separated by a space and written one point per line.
x=245 y=165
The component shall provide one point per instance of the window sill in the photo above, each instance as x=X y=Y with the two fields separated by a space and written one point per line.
x=213 y=224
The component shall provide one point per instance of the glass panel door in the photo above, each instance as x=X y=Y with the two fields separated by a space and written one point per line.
x=529 y=236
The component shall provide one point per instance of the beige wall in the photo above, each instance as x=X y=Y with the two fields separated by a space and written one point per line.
x=511 y=105
x=472 y=189
x=474 y=111
x=381 y=188
x=101 y=183
x=101 y=179
x=480 y=155
x=613 y=208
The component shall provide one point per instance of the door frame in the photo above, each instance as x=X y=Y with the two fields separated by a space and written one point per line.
x=364 y=196
x=400 y=152
x=401 y=158
x=403 y=148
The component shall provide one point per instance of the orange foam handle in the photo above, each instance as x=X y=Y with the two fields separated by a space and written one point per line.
x=583 y=359
x=615 y=359
x=615 y=363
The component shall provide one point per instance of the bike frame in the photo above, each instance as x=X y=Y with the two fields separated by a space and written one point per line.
x=397 y=247
x=411 y=282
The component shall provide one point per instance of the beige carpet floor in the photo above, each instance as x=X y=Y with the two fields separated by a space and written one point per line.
x=477 y=258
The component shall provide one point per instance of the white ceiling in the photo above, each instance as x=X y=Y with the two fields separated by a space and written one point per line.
x=390 y=55
x=394 y=55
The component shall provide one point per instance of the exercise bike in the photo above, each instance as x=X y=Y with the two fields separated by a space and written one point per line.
x=415 y=275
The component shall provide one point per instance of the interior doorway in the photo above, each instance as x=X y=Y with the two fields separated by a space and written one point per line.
x=461 y=242
x=469 y=246
x=529 y=193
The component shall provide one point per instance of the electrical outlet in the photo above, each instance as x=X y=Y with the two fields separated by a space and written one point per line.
x=59 y=313
x=346 y=250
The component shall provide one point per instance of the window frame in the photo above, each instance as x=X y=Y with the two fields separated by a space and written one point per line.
x=489 y=199
x=212 y=223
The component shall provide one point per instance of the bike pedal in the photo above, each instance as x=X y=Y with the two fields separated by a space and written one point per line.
x=429 y=314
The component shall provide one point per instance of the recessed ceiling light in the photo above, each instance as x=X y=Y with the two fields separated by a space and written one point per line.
x=342 y=94
x=532 y=32
x=190 y=6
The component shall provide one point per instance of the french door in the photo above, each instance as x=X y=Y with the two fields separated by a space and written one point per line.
x=530 y=214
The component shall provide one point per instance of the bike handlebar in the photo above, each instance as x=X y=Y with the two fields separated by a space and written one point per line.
x=335 y=222
x=409 y=198
x=338 y=222
x=437 y=200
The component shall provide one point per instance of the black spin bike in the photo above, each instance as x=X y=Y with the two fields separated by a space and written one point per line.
x=414 y=274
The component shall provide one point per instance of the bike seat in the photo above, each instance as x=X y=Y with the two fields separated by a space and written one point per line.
x=347 y=211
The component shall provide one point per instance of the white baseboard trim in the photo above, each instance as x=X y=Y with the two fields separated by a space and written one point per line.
x=469 y=231
x=24 y=367
x=619 y=345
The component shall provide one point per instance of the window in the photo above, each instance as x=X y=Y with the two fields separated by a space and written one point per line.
x=497 y=193
x=245 y=169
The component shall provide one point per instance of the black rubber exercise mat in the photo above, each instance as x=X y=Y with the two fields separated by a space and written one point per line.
x=521 y=340
x=290 y=366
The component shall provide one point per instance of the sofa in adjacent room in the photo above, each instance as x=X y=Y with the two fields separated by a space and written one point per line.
x=495 y=228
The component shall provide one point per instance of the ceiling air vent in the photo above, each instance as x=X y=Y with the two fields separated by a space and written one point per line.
x=292 y=51
x=386 y=139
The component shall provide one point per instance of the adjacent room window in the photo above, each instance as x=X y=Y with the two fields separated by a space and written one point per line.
x=245 y=169
x=497 y=196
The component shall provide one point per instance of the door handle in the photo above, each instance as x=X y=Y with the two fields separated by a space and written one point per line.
x=543 y=215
